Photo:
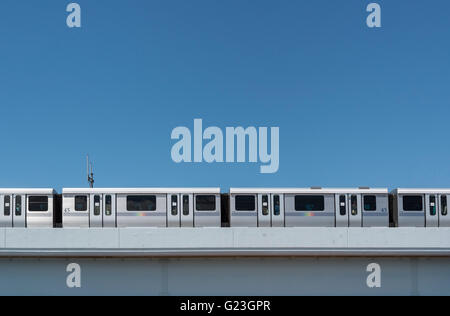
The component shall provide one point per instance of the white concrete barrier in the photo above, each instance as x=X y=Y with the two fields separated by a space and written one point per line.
x=204 y=242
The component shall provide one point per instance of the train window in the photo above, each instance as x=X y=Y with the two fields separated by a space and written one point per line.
x=433 y=207
x=141 y=203
x=18 y=205
x=354 y=205
x=205 y=202
x=265 y=205
x=7 y=205
x=174 y=205
x=413 y=203
x=444 y=209
x=370 y=203
x=276 y=205
x=342 y=205
x=38 y=203
x=81 y=203
x=185 y=205
x=245 y=203
x=108 y=205
x=97 y=210
x=307 y=203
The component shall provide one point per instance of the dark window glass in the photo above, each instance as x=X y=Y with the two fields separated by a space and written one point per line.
x=276 y=205
x=141 y=203
x=81 y=203
x=7 y=205
x=97 y=209
x=413 y=203
x=370 y=203
x=174 y=205
x=205 y=202
x=265 y=205
x=185 y=205
x=433 y=208
x=444 y=209
x=19 y=205
x=309 y=203
x=354 y=205
x=245 y=203
x=342 y=205
x=38 y=203
x=108 y=205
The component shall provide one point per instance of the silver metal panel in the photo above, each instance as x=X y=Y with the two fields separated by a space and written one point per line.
x=264 y=213
x=18 y=209
x=95 y=210
x=137 y=191
x=243 y=218
x=380 y=217
x=40 y=219
x=410 y=218
x=156 y=218
x=6 y=219
x=71 y=217
x=173 y=210
x=110 y=216
x=444 y=216
x=324 y=218
x=431 y=218
x=355 y=214
x=208 y=218
x=277 y=219
x=341 y=219
x=420 y=191
x=308 y=191
x=187 y=210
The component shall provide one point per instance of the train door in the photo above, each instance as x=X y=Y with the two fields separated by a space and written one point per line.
x=348 y=210
x=341 y=208
x=187 y=210
x=444 y=217
x=277 y=208
x=355 y=213
x=19 y=212
x=95 y=211
x=109 y=210
x=173 y=211
x=6 y=219
x=264 y=213
x=431 y=211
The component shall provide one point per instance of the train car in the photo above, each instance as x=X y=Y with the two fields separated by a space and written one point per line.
x=309 y=207
x=420 y=207
x=32 y=208
x=157 y=207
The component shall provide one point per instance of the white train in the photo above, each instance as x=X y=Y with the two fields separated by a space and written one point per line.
x=141 y=207
x=207 y=207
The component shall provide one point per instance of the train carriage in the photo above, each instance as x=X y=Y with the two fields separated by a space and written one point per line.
x=145 y=207
x=309 y=207
x=420 y=207
x=32 y=208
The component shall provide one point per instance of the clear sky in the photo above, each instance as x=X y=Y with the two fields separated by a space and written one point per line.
x=355 y=106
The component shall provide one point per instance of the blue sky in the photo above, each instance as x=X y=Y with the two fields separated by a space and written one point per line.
x=355 y=106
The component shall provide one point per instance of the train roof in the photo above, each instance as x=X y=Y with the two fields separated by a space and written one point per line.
x=419 y=191
x=308 y=190
x=141 y=190
x=27 y=191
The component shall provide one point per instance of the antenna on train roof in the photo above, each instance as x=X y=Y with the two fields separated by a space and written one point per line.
x=90 y=172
